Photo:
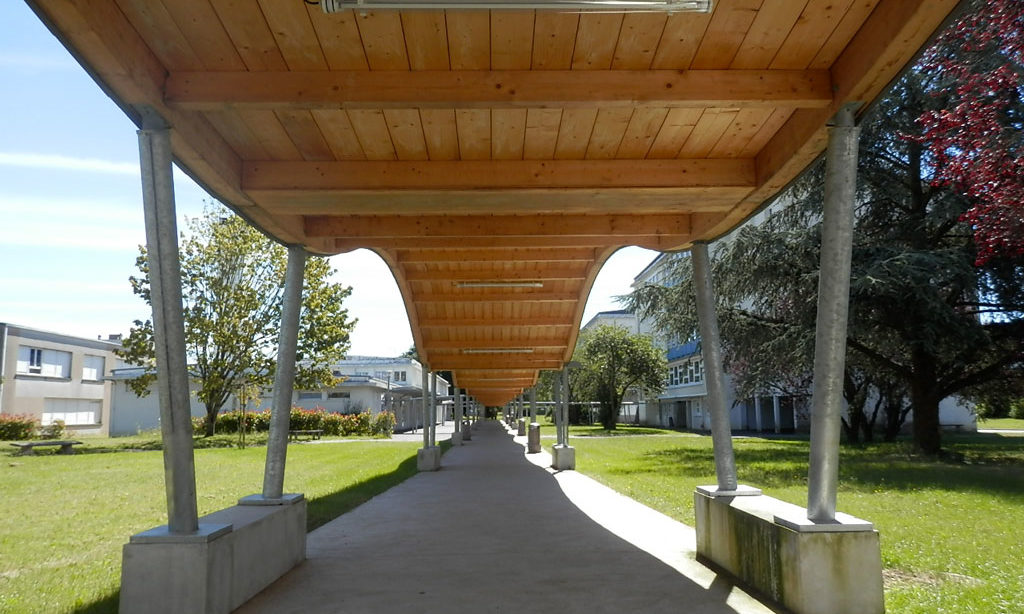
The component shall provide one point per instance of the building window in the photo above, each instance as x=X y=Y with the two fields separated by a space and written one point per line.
x=336 y=373
x=399 y=376
x=48 y=363
x=338 y=395
x=92 y=368
x=73 y=412
x=306 y=396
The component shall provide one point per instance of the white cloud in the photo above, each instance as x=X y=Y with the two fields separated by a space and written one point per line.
x=35 y=62
x=67 y=163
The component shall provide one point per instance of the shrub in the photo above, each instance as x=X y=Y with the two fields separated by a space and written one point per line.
x=54 y=430
x=333 y=424
x=16 y=427
x=198 y=425
x=306 y=419
x=383 y=424
x=363 y=420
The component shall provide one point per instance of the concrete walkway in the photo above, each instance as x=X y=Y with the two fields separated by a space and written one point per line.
x=495 y=530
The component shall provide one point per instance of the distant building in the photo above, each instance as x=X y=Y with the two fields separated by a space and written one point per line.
x=52 y=376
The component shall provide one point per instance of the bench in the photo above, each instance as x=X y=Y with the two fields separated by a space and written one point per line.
x=311 y=434
x=27 y=447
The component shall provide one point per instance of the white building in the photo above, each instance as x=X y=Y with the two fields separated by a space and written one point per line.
x=56 y=377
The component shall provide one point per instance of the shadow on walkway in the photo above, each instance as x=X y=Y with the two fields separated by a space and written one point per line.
x=495 y=532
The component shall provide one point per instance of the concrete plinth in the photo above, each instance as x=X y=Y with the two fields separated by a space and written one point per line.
x=467 y=430
x=237 y=553
x=428 y=459
x=521 y=432
x=456 y=439
x=563 y=457
x=533 y=439
x=824 y=569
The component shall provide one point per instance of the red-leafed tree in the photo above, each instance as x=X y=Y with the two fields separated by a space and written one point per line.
x=976 y=138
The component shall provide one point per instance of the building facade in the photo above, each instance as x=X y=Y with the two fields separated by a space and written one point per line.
x=52 y=376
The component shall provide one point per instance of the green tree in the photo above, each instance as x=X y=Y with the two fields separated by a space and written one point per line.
x=232 y=281
x=613 y=362
x=925 y=321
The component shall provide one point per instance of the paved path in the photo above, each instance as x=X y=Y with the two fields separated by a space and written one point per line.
x=495 y=530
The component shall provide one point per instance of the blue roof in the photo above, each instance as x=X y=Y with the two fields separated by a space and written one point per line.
x=682 y=351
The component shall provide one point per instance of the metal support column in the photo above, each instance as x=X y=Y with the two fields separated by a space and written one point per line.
x=457 y=411
x=777 y=413
x=833 y=309
x=564 y=410
x=533 y=405
x=710 y=343
x=284 y=378
x=426 y=403
x=757 y=414
x=168 y=328
x=433 y=409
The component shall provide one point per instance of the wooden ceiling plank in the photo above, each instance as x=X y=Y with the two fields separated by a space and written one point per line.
x=554 y=39
x=709 y=129
x=245 y=24
x=644 y=127
x=848 y=26
x=574 y=133
x=499 y=361
x=296 y=38
x=805 y=40
x=729 y=26
x=469 y=39
x=541 y=274
x=357 y=89
x=238 y=135
x=609 y=128
x=440 y=133
x=505 y=174
x=680 y=40
x=676 y=129
x=271 y=135
x=508 y=133
x=339 y=133
x=371 y=129
x=426 y=39
x=383 y=40
x=638 y=40
x=743 y=128
x=595 y=41
x=769 y=30
x=541 y=133
x=406 y=132
x=305 y=133
x=486 y=344
x=511 y=40
x=497 y=297
x=201 y=25
x=155 y=24
x=778 y=118
x=340 y=40
x=474 y=129
x=496 y=225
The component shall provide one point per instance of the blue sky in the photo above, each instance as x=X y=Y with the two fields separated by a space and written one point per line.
x=71 y=213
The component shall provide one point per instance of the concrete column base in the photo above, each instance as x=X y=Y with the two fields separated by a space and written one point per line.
x=521 y=432
x=467 y=430
x=428 y=459
x=807 y=568
x=457 y=439
x=533 y=439
x=563 y=457
x=237 y=552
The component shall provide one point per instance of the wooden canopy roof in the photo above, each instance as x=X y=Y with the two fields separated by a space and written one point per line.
x=494 y=159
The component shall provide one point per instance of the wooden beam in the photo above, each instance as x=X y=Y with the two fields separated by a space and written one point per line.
x=539 y=273
x=503 y=296
x=448 y=363
x=496 y=174
x=657 y=242
x=457 y=254
x=495 y=323
x=459 y=226
x=218 y=91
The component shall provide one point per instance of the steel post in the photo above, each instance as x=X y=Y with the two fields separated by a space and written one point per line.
x=533 y=405
x=457 y=411
x=284 y=377
x=777 y=414
x=433 y=409
x=426 y=403
x=168 y=329
x=833 y=310
x=711 y=348
x=564 y=410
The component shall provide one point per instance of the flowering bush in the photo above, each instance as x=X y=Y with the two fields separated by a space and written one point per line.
x=383 y=424
x=16 y=427
x=361 y=424
x=54 y=430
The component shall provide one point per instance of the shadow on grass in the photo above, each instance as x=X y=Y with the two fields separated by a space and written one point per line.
x=319 y=511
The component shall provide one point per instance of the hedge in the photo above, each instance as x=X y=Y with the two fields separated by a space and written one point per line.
x=14 y=427
x=361 y=424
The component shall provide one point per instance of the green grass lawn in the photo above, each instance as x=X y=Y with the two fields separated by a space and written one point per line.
x=63 y=519
x=951 y=531
x=1002 y=423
